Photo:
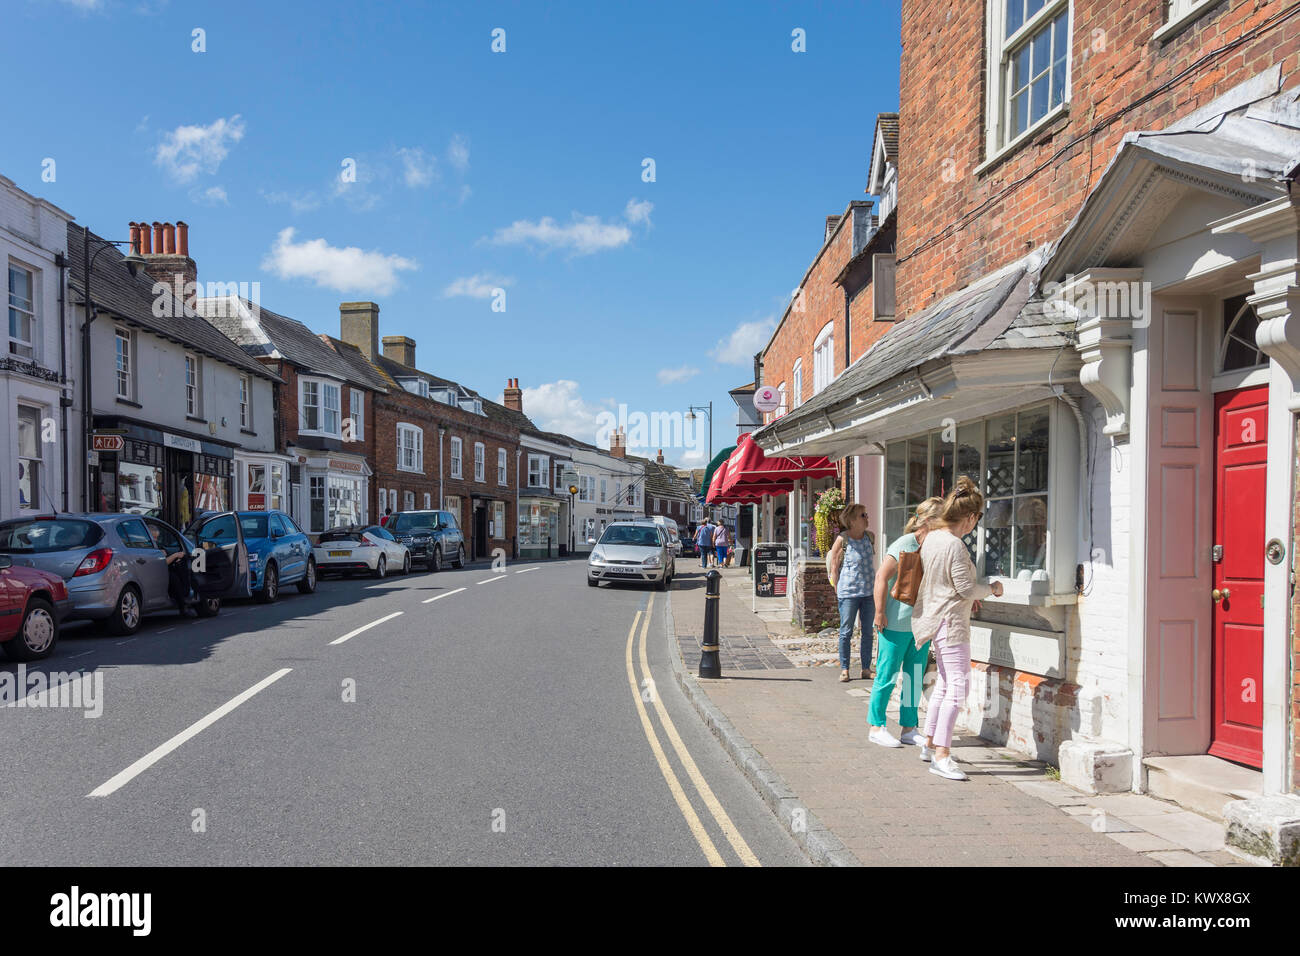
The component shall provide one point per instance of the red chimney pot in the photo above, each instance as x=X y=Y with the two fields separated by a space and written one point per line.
x=182 y=238
x=169 y=238
x=158 y=236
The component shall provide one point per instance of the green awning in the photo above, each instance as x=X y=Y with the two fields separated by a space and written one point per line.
x=714 y=465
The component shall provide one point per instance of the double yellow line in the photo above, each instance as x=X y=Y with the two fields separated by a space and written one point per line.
x=670 y=776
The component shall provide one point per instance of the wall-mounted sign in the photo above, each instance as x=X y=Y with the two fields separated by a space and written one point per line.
x=180 y=443
x=256 y=501
x=340 y=465
x=107 y=442
x=767 y=399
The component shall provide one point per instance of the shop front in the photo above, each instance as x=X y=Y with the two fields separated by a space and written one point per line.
x=541 y=528
x=334 y=489
x=262 y=482
x=173 y=477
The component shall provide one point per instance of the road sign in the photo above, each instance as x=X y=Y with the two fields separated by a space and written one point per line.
x=107 y=443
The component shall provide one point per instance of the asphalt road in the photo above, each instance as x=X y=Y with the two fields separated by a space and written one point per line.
x=510 y=722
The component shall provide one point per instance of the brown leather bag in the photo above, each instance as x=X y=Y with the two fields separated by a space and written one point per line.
x=908 y=580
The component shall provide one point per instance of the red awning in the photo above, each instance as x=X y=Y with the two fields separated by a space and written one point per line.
x=749 y=467
x=728 y=488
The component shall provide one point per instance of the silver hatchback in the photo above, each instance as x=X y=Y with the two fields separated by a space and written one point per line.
x=632 y=551
x=116 y=565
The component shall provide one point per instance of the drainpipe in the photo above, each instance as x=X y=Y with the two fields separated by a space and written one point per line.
x=64 y=399
x=441 y=431
x=515 y=537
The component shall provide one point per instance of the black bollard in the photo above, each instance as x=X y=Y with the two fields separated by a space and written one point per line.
x=710 y=663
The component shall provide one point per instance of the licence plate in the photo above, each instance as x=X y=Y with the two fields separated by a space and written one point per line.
x=621 y=570
x=340 y=554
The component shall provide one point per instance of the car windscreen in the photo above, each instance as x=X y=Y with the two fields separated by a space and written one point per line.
x=626 y=534
x=37 y=537
x=253 y=526
x=340 y=534
x=415 y=522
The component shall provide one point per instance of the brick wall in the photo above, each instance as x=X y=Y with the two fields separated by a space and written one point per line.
x=813 y=596
x=956 y=223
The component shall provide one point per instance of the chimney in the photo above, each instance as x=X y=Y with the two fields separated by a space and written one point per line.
x=832 y=223
x=163 y=263
x=400 y=349
x=359 y=326
x=182 y=239
x=659 y=458
x=618 y=444
x=514 y=396
x=135 y=236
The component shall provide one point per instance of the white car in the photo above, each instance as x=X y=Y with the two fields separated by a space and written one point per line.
x=371 y=549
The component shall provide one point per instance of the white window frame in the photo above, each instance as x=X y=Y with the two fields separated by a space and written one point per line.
x=586 y=488
x=357 y=412
x=823 y=358
x=428 y=501
x=415 y=448
x=123 y=347
x=325 y=389
x=603 y=486
x=193 y=389
x=542 y=471
x=480 y=461
x=456 y=457
x=408 y=499
x=245 y=401
x=503 y=473
x=782 y=408
x=1179 y=13
x=19 y=347
x=796 y=377
x=998 y=53
x=35 y=465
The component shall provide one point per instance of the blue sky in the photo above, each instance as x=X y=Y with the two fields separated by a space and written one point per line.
x=476 y=170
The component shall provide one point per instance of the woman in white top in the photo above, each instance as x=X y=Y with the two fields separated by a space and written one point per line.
x=942 y=614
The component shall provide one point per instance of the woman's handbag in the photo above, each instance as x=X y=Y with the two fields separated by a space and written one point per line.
x=908 y=580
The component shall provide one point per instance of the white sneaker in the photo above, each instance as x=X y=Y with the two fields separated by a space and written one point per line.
x=913 y=737
x=947 y=767
x=926 y=752
x=883 y=737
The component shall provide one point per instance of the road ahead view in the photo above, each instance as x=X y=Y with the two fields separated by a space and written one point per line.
x=464 y=717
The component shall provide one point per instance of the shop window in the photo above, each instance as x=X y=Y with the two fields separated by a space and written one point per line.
x=1029 y=61
x=29 y=457
x=1237 y=347
x=22 y=312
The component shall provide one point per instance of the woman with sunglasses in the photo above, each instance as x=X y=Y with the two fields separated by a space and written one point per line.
x=942 y=615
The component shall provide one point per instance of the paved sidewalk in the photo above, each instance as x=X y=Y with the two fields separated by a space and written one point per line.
x=884 y=805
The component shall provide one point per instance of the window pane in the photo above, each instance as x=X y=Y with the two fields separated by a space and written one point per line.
x=997 y=538
x=1020 y=68
x=1001 y=455
x=1031 y=533
x=1038 y=99
x=1031 y=439
x=970 y=444
x=29 y=432
x=941 y=463
x=896 y=475
x=895 y=519
x=918 y=453
x=1015 y=15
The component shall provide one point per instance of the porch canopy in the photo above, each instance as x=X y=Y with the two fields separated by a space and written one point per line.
x=750 y=467
x=973 y=353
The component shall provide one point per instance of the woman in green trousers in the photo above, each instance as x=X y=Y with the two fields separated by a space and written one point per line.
x=897 y=651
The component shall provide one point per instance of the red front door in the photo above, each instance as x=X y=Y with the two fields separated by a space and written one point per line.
x=1240 y=456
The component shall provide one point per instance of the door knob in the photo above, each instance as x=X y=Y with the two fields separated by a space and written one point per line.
x=1220 y=595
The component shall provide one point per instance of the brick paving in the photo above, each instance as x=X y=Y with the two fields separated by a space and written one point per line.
x=737 y=652
x=885 y=805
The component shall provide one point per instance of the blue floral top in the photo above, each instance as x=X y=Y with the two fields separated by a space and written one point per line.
x=858 y=572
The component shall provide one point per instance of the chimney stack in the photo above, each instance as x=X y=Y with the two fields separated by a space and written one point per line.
x=514 y=396
x=164 y=262
x=659 y=458
x=359 y=326
x=135 y=236
x=618 y=444
x=400 y=349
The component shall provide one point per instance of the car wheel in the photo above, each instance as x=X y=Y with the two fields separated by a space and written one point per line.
x=270 y=585
x=381 y=567
x=125 y=619
x=308 y=584
x=592 y=583
x=38 y=634
x=208 y=607
x=406 y=563
x=435 y=563
x=459 y=561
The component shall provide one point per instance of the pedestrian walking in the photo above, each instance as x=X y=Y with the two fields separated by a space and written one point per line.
x=942 y=614
x=898 y=652
x=388 y=513
x=704 y=542
x=721 y=540
x=852 y=572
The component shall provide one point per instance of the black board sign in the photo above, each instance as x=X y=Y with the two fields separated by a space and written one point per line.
x=771 y=569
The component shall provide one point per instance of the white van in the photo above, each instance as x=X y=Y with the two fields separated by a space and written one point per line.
x=670 y=528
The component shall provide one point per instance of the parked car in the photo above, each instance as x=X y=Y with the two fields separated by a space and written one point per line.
x=372 y=549
x=432 y=537
x=115 y=565
x=33 y=603
x=632 y=551
x=279 y=553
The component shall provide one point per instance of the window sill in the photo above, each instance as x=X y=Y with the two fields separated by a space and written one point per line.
x=1023 y=139
x=316 y=433
x=195 y=418
x=247 y=431
x=412 y=471
x=128 y=402
x=1174 y=27
x=1019 y=592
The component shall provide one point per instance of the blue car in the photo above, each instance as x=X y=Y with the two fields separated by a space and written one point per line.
x=279 y=553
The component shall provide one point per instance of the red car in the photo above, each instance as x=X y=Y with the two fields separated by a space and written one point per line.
x=32 y=604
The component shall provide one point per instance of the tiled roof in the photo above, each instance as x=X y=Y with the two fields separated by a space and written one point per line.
x=887 y=126
x=131 y=299
x=662 y=481
x=288 y=339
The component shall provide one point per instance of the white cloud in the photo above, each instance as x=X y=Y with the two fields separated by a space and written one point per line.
x=465 y=193
x=477 y=286
x=638 y=212
x=559 y=407
x=458 y=152
x=212 y=196
x=189 y=150
x=583 y=236
x=85 y=4
x=298 y=202
x=418 y=168
x=347 y=269
x=745 y=340
x=670 y=376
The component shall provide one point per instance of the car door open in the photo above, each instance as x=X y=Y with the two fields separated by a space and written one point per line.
x=219 y=563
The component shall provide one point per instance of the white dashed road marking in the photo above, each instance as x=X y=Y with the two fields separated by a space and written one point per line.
x=439 y=597
x=351 y=634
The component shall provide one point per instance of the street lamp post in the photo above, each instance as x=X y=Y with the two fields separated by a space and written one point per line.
x=708 y=410
x=133 y=262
